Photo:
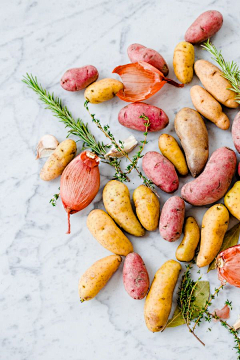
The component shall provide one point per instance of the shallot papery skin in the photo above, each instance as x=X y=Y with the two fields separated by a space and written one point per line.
x=80 y=182
x=223 y=313
x=228 y=264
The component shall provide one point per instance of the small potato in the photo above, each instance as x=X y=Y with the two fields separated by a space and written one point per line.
x=212 y=79
x=209 y=107
x=236 y=132
x=159 y=299
x=97 y=276
x=186 y=250
x=60 y=158
x=172 y=218
x=147 y=207
x=232 y=200
x=135 y=276
x=171 y=150
x=106 y=232
x=214 y=226
x=102 y=90
x=183 y=60
x=79 y=78
x=116 y=199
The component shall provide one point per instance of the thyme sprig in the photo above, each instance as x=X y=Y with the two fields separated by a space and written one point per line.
x=54 y=199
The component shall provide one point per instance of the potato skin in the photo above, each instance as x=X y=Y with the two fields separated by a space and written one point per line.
x=205 y=26
x=236 y=132
x=147 y=207
x=135 y=276
x=159 y=299
x=183 y=60
x=161 y=171
x=214 y=226
x=172 y=218
x=106 y=232
x=171 y=150
x=79 y=78
x=213 y=81
x=60 y=158
x=186 y=250
x=129 y=116
x=102 y=90
x=116 y=199
x=232 y=200
x=97 y=276
x=192 y=133
x=213 y=183
x=209 y=107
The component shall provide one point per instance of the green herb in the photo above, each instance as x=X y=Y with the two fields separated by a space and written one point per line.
x=54 y=199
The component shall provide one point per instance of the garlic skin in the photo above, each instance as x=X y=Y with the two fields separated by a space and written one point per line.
x=236 y=326
x=46 y=146
x=128 y=145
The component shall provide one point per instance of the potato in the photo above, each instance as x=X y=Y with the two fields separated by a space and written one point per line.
x=161 y=171
x=213 y=183
x=209 y=107
x=106 y=232
x=60 y=158
x=129 y=116
x=183 y=60
x=192 y=133
x=214 y=226
x=97 y=276
x=159 y=299
x=172 y=218
x=147 y=207
x=102 y=90
x=135 y=276
x=137 y=52
x=171 y=150
x=232 y=200
x=186 y=250
x=79 y=78
x=212 y=79
x=205 y=26
x=236 y=132
x=116 y=199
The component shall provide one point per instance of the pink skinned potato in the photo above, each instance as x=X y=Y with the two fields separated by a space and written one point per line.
x=205 y=26
x=129 y=116
x=161 y=171
x=172 y=218
x=239 y=169
x=236 y=132
x=137 y=52
x=214 y=181
x=79 y=78
x=135 y=276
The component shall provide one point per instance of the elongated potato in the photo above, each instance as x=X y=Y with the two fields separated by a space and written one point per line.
x=214 y=226
x=60 y=158
x=106 y=232
x=79 y=78
x=232 y=200
x=236 y=132
x=102 y=90
x=116 y=199
x=186 y=250
x=192 y=133
x=159 y=299
x=147 y=207
x=97 y=276
x=183 y=60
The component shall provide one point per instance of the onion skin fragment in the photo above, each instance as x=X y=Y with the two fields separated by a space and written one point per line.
x=223 y=313
x=228 y=265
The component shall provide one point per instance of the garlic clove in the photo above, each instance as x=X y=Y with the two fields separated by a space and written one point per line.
x=236 y=326
x=128 y=145
x=46 y=146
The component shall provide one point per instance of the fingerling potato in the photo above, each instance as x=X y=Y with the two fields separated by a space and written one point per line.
x=186 y=250
x=79 y=78
x=183 y=60
x=232 y=200
x=102 y=90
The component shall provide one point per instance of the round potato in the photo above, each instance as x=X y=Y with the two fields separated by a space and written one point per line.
x=186 y=250
x=102 y=90
x=183 y=60
x=232 y=200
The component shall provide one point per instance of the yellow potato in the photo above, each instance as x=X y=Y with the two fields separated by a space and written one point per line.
x=159 y=299
x=102 y=90
x=232 y=200
x=116 y=199
x=186 y=250
x=183 y=60
x=209 y=107
x=147 y=207
x=214 y=226
x=60 y=158
x=171 y=150
x=97 y=276
x=106 y=232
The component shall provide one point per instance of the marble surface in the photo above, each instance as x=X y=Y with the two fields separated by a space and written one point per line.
x=41 y=317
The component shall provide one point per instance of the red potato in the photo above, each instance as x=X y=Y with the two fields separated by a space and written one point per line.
x=172 y=218
x=236 y=132
x=79 y=78
x=129 y=116
x=205 y=26
x=135 y=276
x=161 y=171
x=137 y=52
x=213 y=183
